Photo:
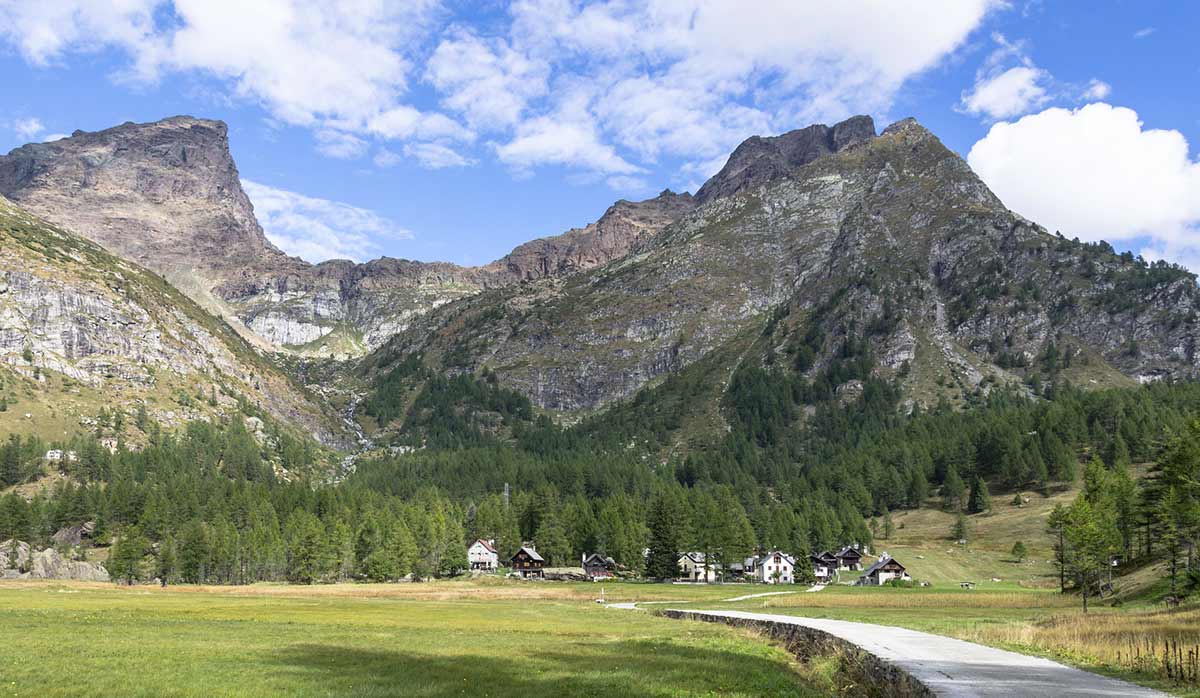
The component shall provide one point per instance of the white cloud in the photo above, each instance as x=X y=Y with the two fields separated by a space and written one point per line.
x=28 y=129
x=339 y=144
x=1011 y=93
x=603 y=87
x=54 y=137
x=326 y=65
x=44 y=31
x=1144 y=32
x=486 y=80
x=549 y=140
x=1008 y=83
x=1096 y=173
x=1096 y=90
x=436 y=156
x=692 y=78
x=319 y=229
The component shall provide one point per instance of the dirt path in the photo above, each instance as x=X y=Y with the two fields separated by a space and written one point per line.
x=958 y=668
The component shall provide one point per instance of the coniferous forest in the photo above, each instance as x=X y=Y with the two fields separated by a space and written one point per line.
x=214 y=504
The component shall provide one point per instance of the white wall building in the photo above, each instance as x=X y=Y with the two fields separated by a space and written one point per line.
x=776 y=568
x=482 y=555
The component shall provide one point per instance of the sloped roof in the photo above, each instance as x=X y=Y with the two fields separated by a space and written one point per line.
x=694 y=557
x=880 y=563
x=531 y=552
x=598 y=559
x=790 y=560
x=848 y=551
x=490 y=548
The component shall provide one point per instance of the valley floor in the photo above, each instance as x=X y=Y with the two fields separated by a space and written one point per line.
x=495 y=637
x=439 y=639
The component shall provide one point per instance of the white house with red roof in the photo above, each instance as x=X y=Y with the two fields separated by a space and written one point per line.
x=482 y=555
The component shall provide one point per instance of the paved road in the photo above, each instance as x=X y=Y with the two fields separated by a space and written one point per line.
x=960 y=669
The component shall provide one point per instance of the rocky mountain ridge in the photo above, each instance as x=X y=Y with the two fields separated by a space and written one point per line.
x=83 y=331
x=167 y=195
x=820 y=250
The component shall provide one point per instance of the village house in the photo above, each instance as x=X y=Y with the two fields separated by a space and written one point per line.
x=885 y=569
x=692 y=567
x=849 y=558
x=824 y=566
x=596 y=566
x=776 y=568
x=527 y=563
x=482 y=555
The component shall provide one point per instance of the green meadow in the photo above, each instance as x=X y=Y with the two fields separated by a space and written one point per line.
x=441 y=639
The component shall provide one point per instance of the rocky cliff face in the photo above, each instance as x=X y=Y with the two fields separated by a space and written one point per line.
x=167 y=195
x=623 y=226
x=823 y=242
x=82 y=330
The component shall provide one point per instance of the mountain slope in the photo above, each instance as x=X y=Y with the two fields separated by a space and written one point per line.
x=167 y=195
x=84 y=332
x=869 y=256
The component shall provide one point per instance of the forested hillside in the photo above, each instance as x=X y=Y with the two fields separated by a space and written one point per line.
x=206 y=506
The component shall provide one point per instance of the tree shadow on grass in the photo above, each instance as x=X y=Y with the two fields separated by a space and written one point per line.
x=638 y=669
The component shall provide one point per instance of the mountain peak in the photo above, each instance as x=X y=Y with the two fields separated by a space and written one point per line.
x=760 y=159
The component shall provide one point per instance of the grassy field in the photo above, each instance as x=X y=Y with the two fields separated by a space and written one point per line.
x=438 y=639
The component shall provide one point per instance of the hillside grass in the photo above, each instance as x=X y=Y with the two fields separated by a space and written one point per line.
x=439 y=639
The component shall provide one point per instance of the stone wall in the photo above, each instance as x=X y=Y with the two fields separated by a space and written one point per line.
x=873 y=676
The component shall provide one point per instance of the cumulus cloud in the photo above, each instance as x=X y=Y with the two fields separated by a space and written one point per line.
x=28 y=128
x=1096 y=90
x=485 y=80
x=340 y=65
x=1096 y=173
x=603 y=87
x=1010 y=93
x=319 y=229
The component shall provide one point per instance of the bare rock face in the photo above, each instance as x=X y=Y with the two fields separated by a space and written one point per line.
x=124 y=336
x=760 y=160
x=167 y=195
x=812 y=239
x=619 y=230
x=19 y=561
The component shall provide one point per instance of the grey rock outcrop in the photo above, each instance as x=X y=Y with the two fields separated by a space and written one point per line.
x=167 y=195
x=19 y=561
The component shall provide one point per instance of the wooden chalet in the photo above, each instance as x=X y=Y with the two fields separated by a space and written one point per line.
x=824 y=566
x=527 y=563
x=596 y=566
x=848 y=558
x=883 y=571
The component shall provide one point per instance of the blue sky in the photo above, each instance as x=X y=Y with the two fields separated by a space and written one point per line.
x=456 y=130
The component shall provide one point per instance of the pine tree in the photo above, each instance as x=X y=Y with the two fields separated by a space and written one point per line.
x=888 y=526
x=961 y=529
x=668 y=530
x=1019 y=552
x=552 y=542
x=125 y=562
x=952 y=489
x=979 y=500
x=1091 y=537
x=166 y=563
